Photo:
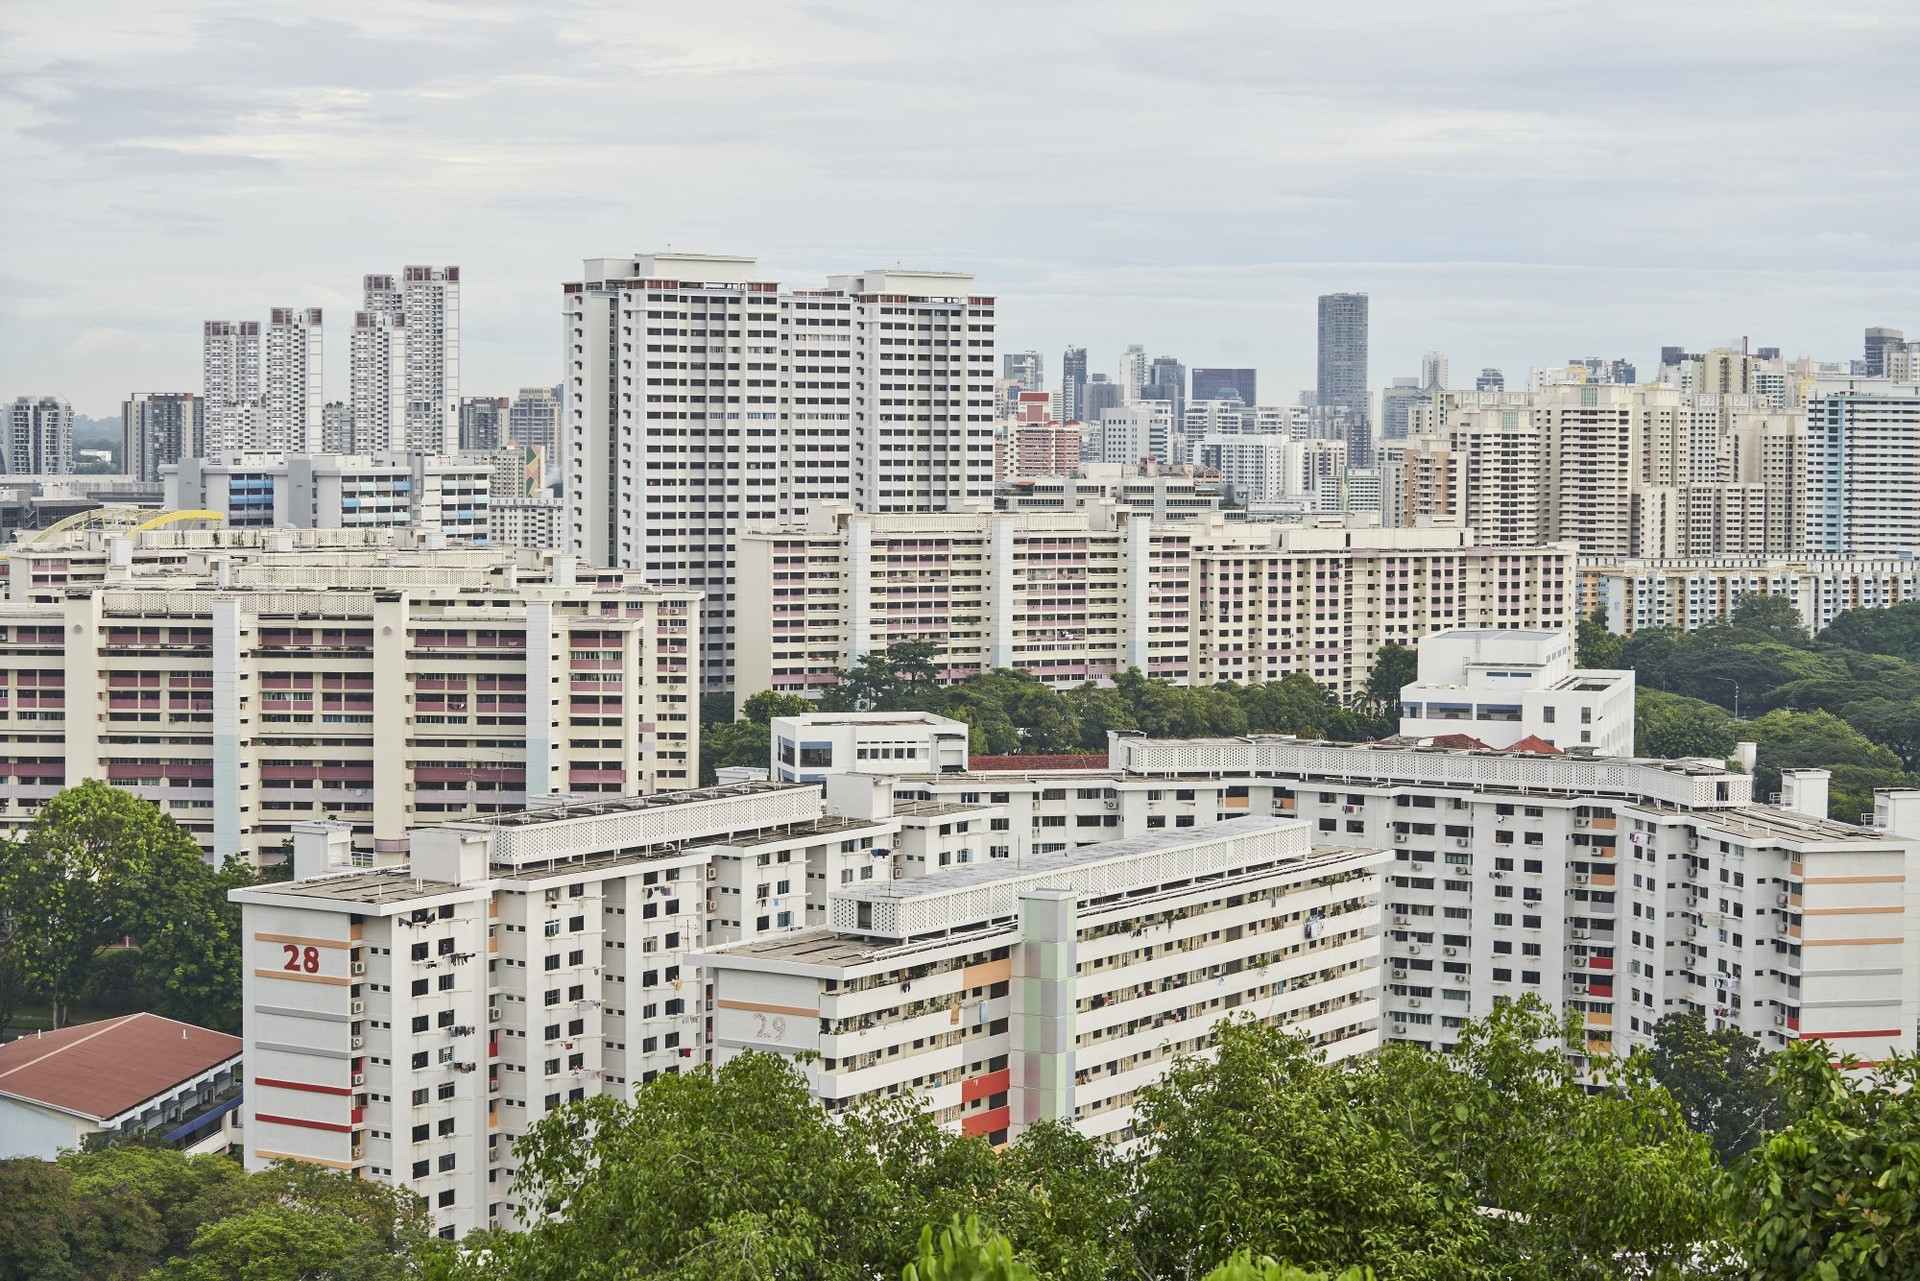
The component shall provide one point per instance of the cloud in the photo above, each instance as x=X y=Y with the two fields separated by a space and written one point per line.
x=1512 y=180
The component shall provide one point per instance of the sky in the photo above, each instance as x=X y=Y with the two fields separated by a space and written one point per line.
x=1514 y=183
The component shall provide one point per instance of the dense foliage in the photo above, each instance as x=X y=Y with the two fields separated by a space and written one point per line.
x=108 y=901
x=1013 y=712
x=1262 y=1163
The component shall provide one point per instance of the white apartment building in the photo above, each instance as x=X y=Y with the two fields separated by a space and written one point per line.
x=337 y=491
x=409 y=1022
x=1135 y=432
x=877 y=390
x=1083 y=595
x=807 y=749
x=1863 y=455
x=295 y=388
x=430 y=301
x=160 y=427
x=1517 y=687
x=39 y=439
x=1146 y=490
x=1686 y=594
x=1004 y=994
x=230 y=377
x=378 y=350
x=248 y=680
x=1626 y=889
x=526 y=522
x=1257 y=469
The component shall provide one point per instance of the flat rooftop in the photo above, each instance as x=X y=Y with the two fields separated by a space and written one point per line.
x=628 y=804
x=1762 y=822
x=795 y=831
x=384 y=885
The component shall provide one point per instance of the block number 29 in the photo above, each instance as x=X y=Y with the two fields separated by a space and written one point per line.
x=772 y=1030
x=302 y=960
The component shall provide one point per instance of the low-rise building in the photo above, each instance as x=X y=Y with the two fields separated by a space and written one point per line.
x=137 y=1076
x=1690 y=593
x=809 y=748
x=1510 y=688
x=336 y=491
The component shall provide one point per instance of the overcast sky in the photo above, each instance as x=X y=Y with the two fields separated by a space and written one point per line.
x=1513 y=183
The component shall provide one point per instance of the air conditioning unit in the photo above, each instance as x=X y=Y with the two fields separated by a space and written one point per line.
x=1415 y=1002
x=1582 y=822
x=1581 y=878
x=1450 y=951
x=1781 y=924
x=359 y=1078
x=357 y=968
x=356 y=1042
x=1580 y=989
x=1401 y=920
x=1581 y=933
x=1693 y=931
x=1399 y=1029
x=1401 y=838
x=1414 y=948
x=493 y=1015
x=356 y=1008
x=1497 y=874
x=1779 y=1020
x=1463 y=841
x=1399 y=974
x=1782 y=900
x=552 y=895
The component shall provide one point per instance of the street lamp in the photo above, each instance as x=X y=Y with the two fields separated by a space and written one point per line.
x=1736 y=693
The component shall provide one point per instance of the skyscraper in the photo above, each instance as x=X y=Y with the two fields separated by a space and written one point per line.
x=39 y=438
x=483 y=422
x=230 y=381
x=1879 y=341
x=336 y=427
x=534 y=423
x=1133 y=373
x=1342 y=384
x=1433 y=370
x=295 y=392
x=1225 y=384
x=1026 y=368
x=430 y=301
x=1490 y=379
x=378 y=359
x=1167 y=381
x=665 y=476
x=1395 y=401
x=161 y=427
x=1073 y=377
x=1099 y=395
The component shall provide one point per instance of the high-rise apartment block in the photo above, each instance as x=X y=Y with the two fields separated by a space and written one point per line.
x=336 y=428
x=533 y=422
x=230 y=381
x=249 y=680
x=1081 y=595
x=430 y=301
x=293 y=384
x=379 y=377
x=1433 y=371
x=39 y=440
x=1863 y=458
x=484 y=422
x=159 y=428
x=1342 y=382
x=700 y=400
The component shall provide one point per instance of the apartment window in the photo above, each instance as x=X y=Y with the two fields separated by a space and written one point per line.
x=420 y=1133
x=419 y=987
x=421 y=1169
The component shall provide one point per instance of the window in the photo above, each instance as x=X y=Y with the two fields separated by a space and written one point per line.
x=421 y=1169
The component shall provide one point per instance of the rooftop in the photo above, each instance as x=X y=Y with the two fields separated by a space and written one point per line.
x=630 y=804
x=387 y=885
x=103 y=1070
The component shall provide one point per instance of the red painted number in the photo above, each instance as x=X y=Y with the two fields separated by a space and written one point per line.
x=300 y=959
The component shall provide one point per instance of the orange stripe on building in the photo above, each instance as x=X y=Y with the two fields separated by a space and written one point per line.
x=302 y=978
x=760 y=1007
x=987 y=973
x=303 y=940
x=1892 y=942
x=1852 y=911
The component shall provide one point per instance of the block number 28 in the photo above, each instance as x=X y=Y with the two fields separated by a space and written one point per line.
x=302 y=960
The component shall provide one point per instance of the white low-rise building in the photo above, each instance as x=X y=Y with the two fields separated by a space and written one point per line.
x=1517 y=687
x=808 y=748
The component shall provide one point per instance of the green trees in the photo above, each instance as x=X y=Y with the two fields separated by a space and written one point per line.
x=1596 y=648
x=147 y=1211
x=1670 y=725
x=1835 y=1194
x=1720 y=1080
x=99 y=867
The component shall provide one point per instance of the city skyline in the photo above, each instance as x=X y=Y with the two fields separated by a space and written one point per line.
x=312 y=144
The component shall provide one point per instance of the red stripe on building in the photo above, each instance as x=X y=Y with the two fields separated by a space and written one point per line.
x=303 y=1085
x=979 y=1087
x=305 y=1124
x=983 y=1123
x=1847 y=1036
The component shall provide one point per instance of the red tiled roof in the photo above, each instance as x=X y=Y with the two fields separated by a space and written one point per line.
x=100 y=1070
x=1460 y=741
x=1093 y=760
x=1534 y=743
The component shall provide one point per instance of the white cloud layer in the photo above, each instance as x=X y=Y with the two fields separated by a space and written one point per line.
x=1516 y=182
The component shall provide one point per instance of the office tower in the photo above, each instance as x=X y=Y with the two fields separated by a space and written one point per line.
x=663 y=478
x=484 y=422
x=1167 y=381
x=1433 y=370
x=1027 y=369
x=1400 y=396
x=534 y=423
x=230 y=382
x=161 y=427
x=39 y=438
x=1099 y=395
x=336 y=427
x=379 y=380
x=1226 y=384
x=1879 y=341
x=393 y=681
x=1863 y=458
x=1156 y=597
x=1622 y=373
x=1133 y=374
x=1342 y=383
x=294 y=387
x=1490 y=379
x=1073 y=377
